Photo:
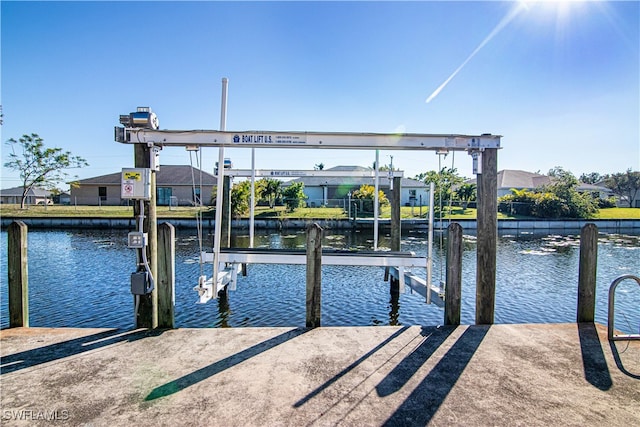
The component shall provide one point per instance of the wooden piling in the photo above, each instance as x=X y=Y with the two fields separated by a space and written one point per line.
x=314 y=275
x=587 y=273
x=18 y=275
x=225 y=233
x=396 y=230
x=453 y=287
x=148 y=307
x=166 y=275
x=487 y=234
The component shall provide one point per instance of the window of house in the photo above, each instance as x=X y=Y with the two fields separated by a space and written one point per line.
x=163 y=195
x=412 y=194
x=102 y=193
x=196 y=195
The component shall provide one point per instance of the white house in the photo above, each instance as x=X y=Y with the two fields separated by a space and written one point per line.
x=335 y=191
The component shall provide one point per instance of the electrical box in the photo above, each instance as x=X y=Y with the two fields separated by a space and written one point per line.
x=140 y=283
x=137 y=240
x=136 y=183
x=154 y=161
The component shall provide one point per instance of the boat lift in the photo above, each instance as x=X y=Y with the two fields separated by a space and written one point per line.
x=300 y=140
x=195 y=139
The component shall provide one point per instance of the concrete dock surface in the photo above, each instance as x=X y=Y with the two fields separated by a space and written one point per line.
x=499 y=375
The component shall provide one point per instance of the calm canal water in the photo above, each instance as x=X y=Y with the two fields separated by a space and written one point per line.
x=81 y=279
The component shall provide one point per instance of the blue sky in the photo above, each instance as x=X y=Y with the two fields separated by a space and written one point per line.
x=560 y=81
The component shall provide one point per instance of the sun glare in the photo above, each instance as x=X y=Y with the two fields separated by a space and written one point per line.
x=562 y=14
x=561 y=9
x=545 y=12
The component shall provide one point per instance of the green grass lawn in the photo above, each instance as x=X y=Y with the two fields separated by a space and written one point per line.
x=9 y=210
x=618 y=213
x=300 y=213
x=92 y=211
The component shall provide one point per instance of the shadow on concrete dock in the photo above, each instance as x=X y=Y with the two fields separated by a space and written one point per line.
x=561 y=374
x=64 y=349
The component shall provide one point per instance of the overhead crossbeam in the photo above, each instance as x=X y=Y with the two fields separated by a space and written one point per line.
x=283 y=173
x=290 y=139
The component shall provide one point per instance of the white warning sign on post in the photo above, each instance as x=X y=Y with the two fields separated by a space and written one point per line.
x=127 y=190
x=136 y=184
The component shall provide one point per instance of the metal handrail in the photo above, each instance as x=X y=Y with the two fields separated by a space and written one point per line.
x=611 y=313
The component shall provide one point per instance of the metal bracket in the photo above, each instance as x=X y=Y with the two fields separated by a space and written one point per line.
x=476 y=155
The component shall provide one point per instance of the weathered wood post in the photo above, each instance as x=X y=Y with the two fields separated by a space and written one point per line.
x=487 y=237
x=396 y=230
x=166 y=275
x=314 y=275
x=453 y=289
x=587 y=273
x=148 y=308
x=225 y=229
x=18 y=275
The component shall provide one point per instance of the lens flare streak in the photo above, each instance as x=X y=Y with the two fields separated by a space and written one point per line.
x=501 y=25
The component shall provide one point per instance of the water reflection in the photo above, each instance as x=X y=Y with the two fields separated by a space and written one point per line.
x=81 y=278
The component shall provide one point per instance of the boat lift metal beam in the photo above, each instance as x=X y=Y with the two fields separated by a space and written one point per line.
x=291 y=139
x=283 y=173
x=397 y=261
x=419 y=285
x=360 y=258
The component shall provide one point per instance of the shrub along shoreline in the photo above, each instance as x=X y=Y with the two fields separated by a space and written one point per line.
x=279 y=212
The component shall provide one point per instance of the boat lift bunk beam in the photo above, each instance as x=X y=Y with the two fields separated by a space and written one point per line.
x=397 y=261
x=257 y=256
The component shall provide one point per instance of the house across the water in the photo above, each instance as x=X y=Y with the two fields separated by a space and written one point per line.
x=176 y=185
x=334 y=191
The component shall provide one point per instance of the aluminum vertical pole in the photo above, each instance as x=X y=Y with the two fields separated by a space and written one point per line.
x=252 y=210
x=219 y=201
x=432 y=189
x=375 y=204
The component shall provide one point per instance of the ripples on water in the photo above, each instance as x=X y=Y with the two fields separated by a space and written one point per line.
x=81 y=278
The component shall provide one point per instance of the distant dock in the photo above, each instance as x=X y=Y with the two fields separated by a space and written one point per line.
x=499 y=375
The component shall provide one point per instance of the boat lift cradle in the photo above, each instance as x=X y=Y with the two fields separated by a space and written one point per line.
x=235 y=258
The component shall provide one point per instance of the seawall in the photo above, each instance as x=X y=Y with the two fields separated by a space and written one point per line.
x=617 y=225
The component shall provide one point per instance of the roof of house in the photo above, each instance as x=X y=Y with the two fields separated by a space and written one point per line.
x=591 y=187
x=167 y=176
x=318 y=181
x=509 y=178
x=17 y=191
x=350 y=168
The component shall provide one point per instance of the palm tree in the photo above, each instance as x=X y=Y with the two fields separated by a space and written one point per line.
x=271 y=191
x=466 y=193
